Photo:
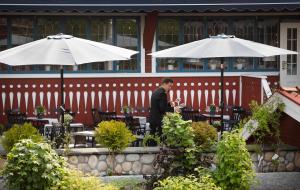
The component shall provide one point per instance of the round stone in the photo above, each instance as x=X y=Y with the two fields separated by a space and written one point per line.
x=102 y=166
x=136 y=167
x=268 y=156
x=93 y=160
x=118 y=169
x=290 y=156
x=281 y=168
x=126 y=166
x=290 y=167
x=297 y=160
x=84 y=168
x=147 y=169
x=254 y=157
x=120 y=158
x=73 y=160
x=147 y=158
x=95 y=173
x=282 y=153
x=109 y=160
x=132 y=157
x=80 y=159
x=102 y=157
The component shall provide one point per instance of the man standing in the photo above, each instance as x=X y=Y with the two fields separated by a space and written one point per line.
x=160 y=105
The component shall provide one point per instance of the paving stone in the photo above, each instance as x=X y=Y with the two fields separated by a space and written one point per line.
x=132 y=157
x=118 y=169
x=102 y=157
x=268 y=156
x=290 y=156
x=120 y=158
x=73 y=160
x=93 y=160
x=126 y=166
x=102 y=166
x=147 y=158
x=147 y=169
x=297 y=160
x=136 y=167
x=290 y=167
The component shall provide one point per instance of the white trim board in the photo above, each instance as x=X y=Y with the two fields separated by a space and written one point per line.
x=291 y=108
x=129 y=75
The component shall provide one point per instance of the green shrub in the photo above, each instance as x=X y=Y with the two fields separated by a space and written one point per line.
x=234 y=165
x=204 y=134
x=187 y=183
x=177 y=132
x=114 y=135
x=75 y=180
x=18 y=132
x=33 y=166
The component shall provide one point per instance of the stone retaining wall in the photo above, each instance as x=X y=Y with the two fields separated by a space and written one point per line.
x=139 y=160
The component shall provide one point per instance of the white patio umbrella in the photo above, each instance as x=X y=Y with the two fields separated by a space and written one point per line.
x=61 y=50
x=221 y=46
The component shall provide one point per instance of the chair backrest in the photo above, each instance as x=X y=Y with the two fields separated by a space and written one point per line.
x=107 y=116
x=190 y=115
x=237 y=113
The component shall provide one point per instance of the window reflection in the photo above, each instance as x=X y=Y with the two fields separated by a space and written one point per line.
x=21 y=33
x=3 y=40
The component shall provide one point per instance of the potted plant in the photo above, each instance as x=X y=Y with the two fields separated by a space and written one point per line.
x=127 y=110
x=213 y=64
x=212 y=109
x=240 y=64
x=40 y=111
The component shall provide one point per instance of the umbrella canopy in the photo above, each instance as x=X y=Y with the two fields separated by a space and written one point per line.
x=63 y=50
x=221 y=46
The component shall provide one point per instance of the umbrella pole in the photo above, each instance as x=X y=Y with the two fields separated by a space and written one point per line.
x=222 y=94
x=62 y=96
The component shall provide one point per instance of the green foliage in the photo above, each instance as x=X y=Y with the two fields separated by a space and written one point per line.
x=234 y=165
x=75 y=180
x=177 y=132
x=204 y=134
x=127 y=184
x=114 y=135
x=18 y=132
x=40 y=109
x=212 y=108
x=148 y=138
x=33 y=166
x=187 y=183
x=127 y=109
x=1 y=128
x=268 y=119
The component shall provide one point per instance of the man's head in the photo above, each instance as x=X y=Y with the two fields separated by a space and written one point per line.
x=167 y=84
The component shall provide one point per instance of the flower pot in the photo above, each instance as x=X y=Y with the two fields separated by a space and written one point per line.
x=239 y=66
x=213 y=66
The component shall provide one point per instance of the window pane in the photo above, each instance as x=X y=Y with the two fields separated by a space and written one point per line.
x=101 y=31
x=77 y=27
x=21 y=33
x=217 y=26
x=47 y=26
x=243 y=28
x=192 y=31
x=3 y=40
x=268 y=33
x=168 y=36
x=127 y=37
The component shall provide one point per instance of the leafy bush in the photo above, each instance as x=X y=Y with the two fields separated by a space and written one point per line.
x=33 y=166
x=150 y=138
x=187 y=183
x=18 y=132
x=234 y=165
x=204 y=134
x=177 y=132
x=75 y=180
x=268 y=118
x=114 y=135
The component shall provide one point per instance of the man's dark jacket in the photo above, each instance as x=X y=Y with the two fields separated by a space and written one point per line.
x=159 y=107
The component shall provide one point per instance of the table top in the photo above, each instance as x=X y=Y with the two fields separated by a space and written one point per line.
x=85 y=133
x=50 y=120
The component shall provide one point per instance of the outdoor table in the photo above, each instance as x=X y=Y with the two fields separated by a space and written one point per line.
x=85 y=134
x=50 y=120
x=213 y=117
x=73 y=126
